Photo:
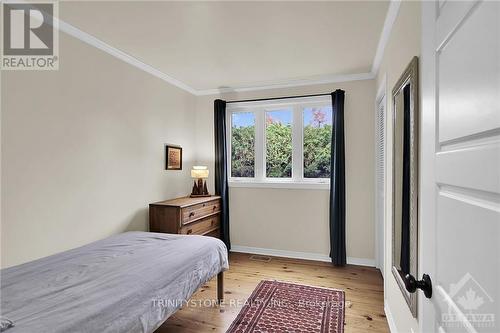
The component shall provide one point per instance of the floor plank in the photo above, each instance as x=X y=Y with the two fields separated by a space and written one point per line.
x=363 y=287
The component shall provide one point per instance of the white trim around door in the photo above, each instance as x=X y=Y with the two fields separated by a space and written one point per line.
x=380 y=173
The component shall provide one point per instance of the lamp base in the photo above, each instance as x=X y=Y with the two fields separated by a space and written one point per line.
x=199 y=189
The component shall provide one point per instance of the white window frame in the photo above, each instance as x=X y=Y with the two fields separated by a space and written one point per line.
x=259 y=108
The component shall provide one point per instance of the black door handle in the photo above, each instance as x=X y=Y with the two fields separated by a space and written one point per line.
x=425 y=284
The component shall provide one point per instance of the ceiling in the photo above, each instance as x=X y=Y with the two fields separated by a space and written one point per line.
x=209 y=45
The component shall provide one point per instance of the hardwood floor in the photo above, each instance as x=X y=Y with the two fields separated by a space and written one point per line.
x=363 y=287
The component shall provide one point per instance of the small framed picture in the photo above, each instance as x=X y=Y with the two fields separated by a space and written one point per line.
x=173 y=158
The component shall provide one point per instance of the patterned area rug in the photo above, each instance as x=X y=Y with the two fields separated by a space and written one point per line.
x=279 y=307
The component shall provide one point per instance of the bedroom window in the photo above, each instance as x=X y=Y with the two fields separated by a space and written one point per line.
x=317 y=141
x=282 y=143
x=279 y=143
x=243 y=144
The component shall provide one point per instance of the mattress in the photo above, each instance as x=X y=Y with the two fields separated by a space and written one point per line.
x=130 y=282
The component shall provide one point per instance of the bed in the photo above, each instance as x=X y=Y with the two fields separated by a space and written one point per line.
x=130 y=282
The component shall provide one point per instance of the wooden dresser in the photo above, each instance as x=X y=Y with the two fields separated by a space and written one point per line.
x=190 y=216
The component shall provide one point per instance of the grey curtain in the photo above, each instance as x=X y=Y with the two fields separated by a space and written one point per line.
x=221 y=176
x=337 y=182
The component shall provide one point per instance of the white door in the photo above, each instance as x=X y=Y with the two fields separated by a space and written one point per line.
x=460 y=166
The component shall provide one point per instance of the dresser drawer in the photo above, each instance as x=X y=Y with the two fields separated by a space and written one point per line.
x=199 y=211
x=202 y=227
x=186 y=215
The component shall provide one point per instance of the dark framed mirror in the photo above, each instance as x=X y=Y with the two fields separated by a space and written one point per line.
x=405 y=179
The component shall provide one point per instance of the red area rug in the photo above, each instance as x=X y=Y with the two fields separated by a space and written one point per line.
x=278 y=307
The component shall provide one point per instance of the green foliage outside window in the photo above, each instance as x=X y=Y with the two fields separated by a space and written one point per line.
x=317 y=145
x=317 y=138
x=278 y=150
x=243 y=151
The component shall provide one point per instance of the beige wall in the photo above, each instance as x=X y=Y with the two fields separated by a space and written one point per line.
x=82 y=151
x=82 y=155
x=297 y=220
x=403 y=44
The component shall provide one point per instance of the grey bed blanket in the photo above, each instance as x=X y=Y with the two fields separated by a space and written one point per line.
x=131 y=282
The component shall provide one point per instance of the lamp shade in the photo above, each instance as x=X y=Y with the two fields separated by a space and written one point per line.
x=199 y=171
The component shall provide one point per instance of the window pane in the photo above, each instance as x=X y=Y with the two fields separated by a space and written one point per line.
x=279 y=144
x=243 y=144
x=317 y=142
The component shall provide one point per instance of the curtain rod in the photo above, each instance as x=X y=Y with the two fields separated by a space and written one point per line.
x=272 y=98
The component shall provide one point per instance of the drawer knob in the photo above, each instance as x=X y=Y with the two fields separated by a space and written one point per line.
x=215 y=207
x=212 y=222
x=191 y=214
x=189 y=231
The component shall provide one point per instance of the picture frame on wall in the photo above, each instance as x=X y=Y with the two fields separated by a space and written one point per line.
x=173 y=157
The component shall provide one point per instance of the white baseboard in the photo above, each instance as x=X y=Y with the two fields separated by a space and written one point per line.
x=299 y=255
x=361 y=261
x=390 y=318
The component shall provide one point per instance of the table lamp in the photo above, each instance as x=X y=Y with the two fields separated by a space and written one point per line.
x=198 y=173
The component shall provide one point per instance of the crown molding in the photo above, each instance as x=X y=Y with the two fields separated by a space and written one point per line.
x=390 y=18
x=326 y=79
x=119 y=54
x=290 y=83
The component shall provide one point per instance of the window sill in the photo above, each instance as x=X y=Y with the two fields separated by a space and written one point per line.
x=281 y=184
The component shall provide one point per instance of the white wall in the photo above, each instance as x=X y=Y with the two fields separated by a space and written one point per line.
x=83 y=151
x=297 y=220
x=403 y=44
